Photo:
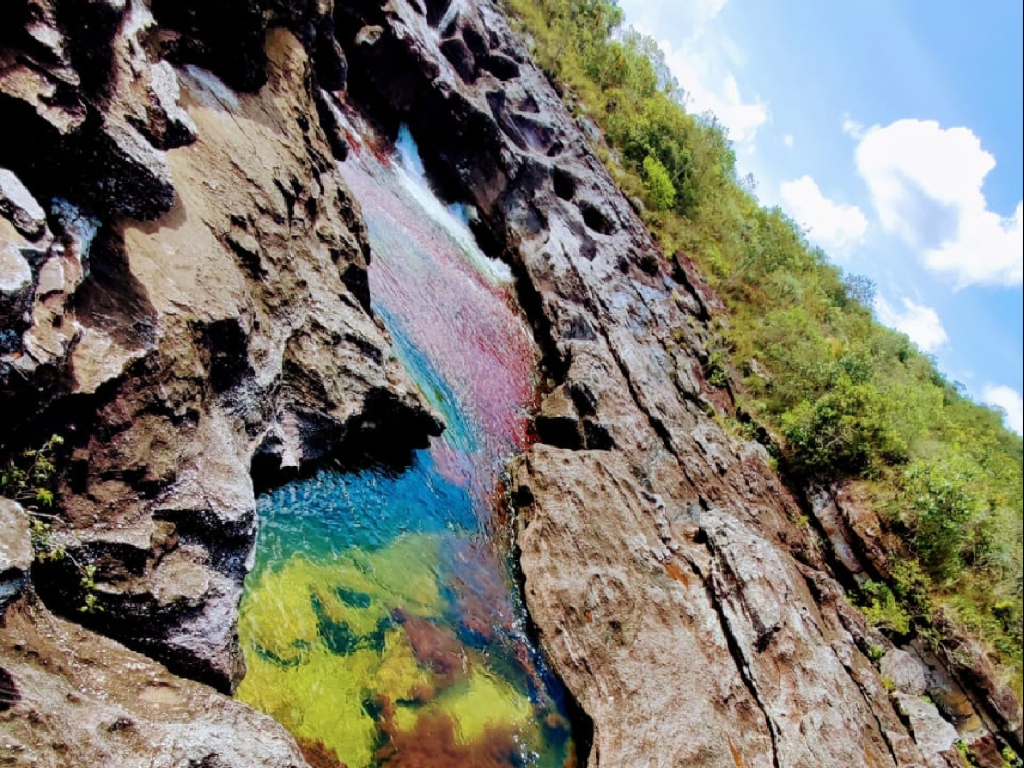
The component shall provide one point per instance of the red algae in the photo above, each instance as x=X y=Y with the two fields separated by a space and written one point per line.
x=455 y=309
x=435 y=647
x=432 y=744
x=317 y=755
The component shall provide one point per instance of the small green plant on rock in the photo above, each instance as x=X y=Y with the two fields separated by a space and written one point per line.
x=965 y=753
x=90 y=603
x=881 y=608
x=716 y=368
x=30 y=479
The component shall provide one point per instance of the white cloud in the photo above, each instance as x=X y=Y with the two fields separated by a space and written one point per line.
x=788 y=140
x=926 y=185
x=702 y=58
x=710 y=88
x=852 y=128
x=835 y=227
x=920 y=323
x=1009 y=401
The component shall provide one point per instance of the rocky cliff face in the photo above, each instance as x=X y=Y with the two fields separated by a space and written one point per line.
x=204 y=327
x=184 y=296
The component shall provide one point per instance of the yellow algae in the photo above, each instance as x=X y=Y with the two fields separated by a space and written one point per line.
x=487 y=702
x=404 y=572
x=482 y=702
x=400 y=676
x=361 y=605
x=320 y=642
x=359 y=590
x=276 y=613
x=319 y=699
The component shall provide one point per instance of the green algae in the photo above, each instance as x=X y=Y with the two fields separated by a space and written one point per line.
x=324 y=649
x=480 y=704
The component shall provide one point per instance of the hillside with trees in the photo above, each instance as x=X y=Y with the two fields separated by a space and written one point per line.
x=837 y=396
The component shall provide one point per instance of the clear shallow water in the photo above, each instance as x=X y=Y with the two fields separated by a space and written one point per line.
x=381 y=623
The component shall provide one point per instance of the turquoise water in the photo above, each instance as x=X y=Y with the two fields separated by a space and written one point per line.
x=381 y=623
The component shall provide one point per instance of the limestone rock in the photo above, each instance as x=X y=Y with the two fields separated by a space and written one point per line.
x=907 y=672
x=74 y=698
x=934 y=735
x=15 y=551
x=719 y=610
x=18 y=205
x=16 y=289
x=627 y=609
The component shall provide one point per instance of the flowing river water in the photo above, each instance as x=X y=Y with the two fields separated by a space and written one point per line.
x=382 y=624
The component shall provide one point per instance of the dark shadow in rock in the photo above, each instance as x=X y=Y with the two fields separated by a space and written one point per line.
x=227 y=37
x=383 y=436
x=502 y=67
x=436 y=9
x=94 y=25
x=596 y=220
x=565 y=184
x=111 y=298
x=461 y=58
x=9 y=694
x=224 y=348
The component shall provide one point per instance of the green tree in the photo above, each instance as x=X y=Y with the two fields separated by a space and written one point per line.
x=661 y=194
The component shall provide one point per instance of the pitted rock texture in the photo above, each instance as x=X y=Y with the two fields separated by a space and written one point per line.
x=191 y=312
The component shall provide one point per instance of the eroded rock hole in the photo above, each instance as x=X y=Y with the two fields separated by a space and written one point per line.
x=476 y=42
x=596 y=220
x=461 y=58
x=502 y=67
x=565 y=184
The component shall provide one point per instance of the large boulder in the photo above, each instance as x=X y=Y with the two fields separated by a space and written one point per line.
x=69 y=697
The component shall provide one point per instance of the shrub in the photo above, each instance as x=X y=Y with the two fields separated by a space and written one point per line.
x=660 y=193
x=882 y=610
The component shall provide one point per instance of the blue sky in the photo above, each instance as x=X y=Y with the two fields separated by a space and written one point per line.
x=892 y=131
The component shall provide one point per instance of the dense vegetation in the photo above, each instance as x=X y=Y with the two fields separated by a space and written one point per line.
x=844 y=397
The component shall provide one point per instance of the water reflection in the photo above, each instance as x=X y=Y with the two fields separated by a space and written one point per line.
x=380 y=624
